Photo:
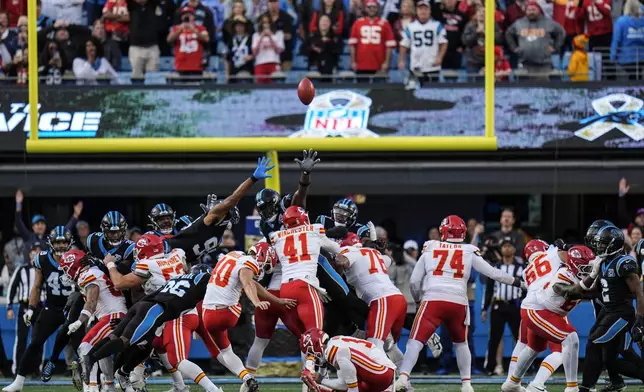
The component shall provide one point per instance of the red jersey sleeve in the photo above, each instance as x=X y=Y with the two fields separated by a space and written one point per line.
x=390 y=41
x=313 y=26
x=603 y=6
x=355 y=33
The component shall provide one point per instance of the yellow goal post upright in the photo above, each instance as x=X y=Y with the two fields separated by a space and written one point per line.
x=261 y=144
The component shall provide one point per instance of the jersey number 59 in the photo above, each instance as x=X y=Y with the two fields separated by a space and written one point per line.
x=423 y=38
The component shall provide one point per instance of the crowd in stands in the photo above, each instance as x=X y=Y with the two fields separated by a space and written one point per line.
x=88 y=38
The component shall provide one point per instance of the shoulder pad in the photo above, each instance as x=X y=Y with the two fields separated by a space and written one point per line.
x=43 y=253
x=250 y=263
x=626 y=265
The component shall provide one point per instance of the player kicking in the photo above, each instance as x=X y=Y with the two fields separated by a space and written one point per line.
x=361 y=366
x=51 y=316
x=440 y=280
x=102 y=301
x=221 y=309
x=544 y=262
x=547 y=321
x=298 y=248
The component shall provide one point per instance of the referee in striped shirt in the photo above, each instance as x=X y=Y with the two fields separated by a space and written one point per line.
x=20 y=286
x=505 y=301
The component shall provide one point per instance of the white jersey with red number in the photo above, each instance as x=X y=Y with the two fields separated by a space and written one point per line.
x=361 y=353
x=298 y=249
x=554 y=302
x=225 y=287
x=444 y=268
x=367 y=273
x=541 y=271
x=158 y=270
x=110 y=300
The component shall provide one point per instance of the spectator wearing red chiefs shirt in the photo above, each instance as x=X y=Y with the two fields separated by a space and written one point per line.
x=14 y=8
x=371 y=42
x=117 y=19
x=564 y=12
x=596 y=14
x=189 y=40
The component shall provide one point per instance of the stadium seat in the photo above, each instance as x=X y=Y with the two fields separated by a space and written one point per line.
x=126 y=66
x=346 y=76
x=313 y=75
x=300 y=63
x=278 y=76
x=166 y=64
x=556 y=61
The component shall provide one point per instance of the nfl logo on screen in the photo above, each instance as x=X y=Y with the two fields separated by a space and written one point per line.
x=339 y=113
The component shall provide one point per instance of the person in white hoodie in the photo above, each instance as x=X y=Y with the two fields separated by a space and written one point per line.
x=92 y=66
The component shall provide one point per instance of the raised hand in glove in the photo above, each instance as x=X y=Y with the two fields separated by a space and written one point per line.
x=261 y=172
x=308 y=161
x=309 y=379
x=372 y=231
x=73 y=327
x=211 y=202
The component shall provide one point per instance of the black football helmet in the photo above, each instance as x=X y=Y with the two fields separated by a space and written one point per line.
x=60 y=240
x=604 y=238
x=114 y=226
x=183 y=222
x=639 y=251
x=267 y=202
x=200 y=268
x=162 y=217
x=345 y=213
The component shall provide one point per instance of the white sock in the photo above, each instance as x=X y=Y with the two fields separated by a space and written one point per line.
x=411 y=356
x=191 y=370
x=255 y=353
x=570 y=353
x=515 y=356
x=464 y=361
x=234 y=364
x=138 y=373
x=377 y=342
x=177 y=377
x=526 y=358
x=93 y=376
x=548 y=366
x=395 y=355
x=107 y=367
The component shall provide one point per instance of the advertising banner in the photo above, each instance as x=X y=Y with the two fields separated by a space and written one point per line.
x=562 y=115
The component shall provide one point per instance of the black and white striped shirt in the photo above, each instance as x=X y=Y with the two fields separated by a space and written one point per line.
x=20 y=284
x=497 y=291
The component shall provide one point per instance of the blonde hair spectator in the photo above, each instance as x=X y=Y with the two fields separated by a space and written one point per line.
x=633 y=8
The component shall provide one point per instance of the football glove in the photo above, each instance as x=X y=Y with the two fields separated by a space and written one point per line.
x=308 y=161
x=27 y=317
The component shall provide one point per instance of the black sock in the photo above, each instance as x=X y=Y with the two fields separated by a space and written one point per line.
x=135 y=356
x=112 y=347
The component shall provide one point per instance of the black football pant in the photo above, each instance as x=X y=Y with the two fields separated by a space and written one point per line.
x=502 y=313
x=49 y=320
x=73 y=309
x=606 y=340
x=22 y=335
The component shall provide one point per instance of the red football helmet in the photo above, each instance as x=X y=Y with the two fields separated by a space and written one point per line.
x=453 y=229
x=579 y=258
x=266 y=256
x=313 y=342
x=70 y=263
x=148 y=246
x=295 y=216
x=350 y=240
x=532 y=247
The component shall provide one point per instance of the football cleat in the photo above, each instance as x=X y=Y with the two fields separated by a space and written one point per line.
x=77 y=376
x=402 y=385
x=467 y=388
x=15 y=386
x=510 y=386
x=124 y=382
x=47 y=371
x=613 y=387
x=535 y=388
x=435 y=345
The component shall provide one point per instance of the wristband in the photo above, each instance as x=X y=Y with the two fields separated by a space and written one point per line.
x=31 y=307
x=111 y=265
x=86 y=313
x=253 y=179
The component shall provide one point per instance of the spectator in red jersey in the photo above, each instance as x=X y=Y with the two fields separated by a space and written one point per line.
x=454 y=22
x=599 y=24
x=565 y=13
x=189 y=40
x=332 y=9
x=501 y=65
x=239 y=54
x=117 y=19
x=324 y=47
x=14 y=9
x=407 y=15
x=371 y=42
x=268 y=44
x=469 y=7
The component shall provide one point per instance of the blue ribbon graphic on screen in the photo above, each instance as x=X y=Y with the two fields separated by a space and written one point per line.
x=625 y=118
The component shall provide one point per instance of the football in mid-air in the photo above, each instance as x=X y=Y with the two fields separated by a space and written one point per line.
x=306 y=91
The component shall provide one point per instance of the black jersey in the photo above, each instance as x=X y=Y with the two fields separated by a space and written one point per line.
x=336 y=232
x=266 y=227
x=615 y=294
x=197 y=239
x=99 y=248
x=160 y=234
x=182 y=293
x=57 y=292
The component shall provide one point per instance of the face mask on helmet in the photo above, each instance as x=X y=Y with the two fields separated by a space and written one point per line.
x=114 y=237
x=165 y=224
x=341 y=216
x=268 y=211
x=59 y=247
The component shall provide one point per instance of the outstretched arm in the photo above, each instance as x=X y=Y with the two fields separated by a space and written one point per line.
x=220 y=210
x=574 y=292
x=307 y=163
